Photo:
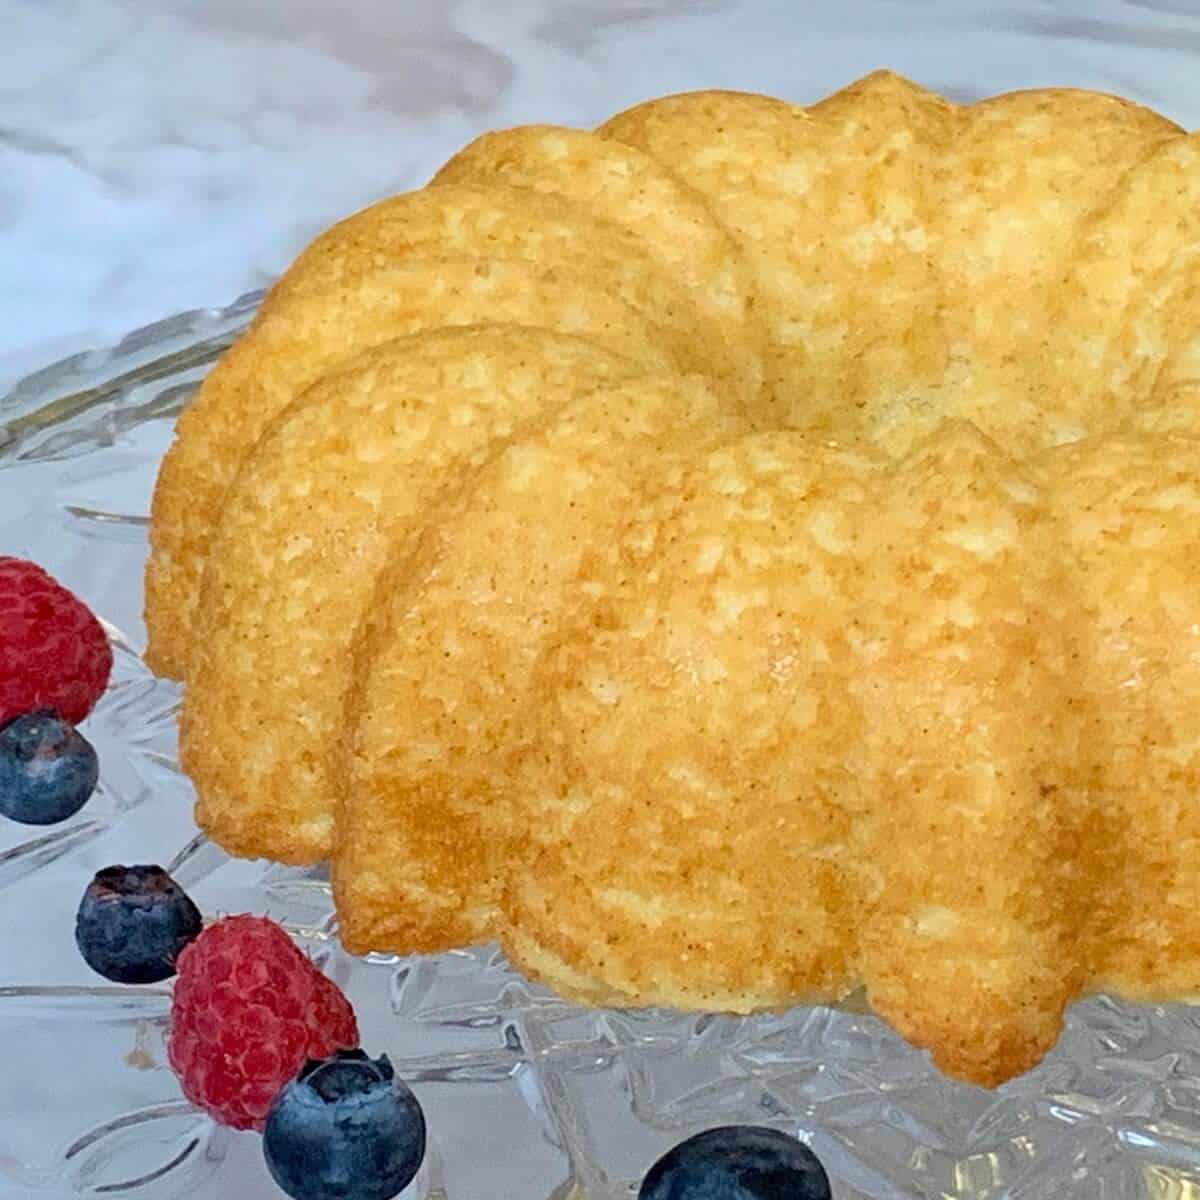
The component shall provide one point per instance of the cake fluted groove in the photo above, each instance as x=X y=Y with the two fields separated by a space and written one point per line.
x=445 y=657
x=339 y=482
x=458 y=255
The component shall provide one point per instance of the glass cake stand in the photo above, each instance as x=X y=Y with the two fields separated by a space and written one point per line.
x=527 y=1097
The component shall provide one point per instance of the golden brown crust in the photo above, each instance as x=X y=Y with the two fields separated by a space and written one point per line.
x=289 y=349
x=444 y=667
x=979 y=805
x=1022 y=175
x=1124 y=315
x=337 y=481
x=631 y=189
x=833 y=208
x=534 y=260
x=1126 y=510
x=679 y=705
x=690 y=815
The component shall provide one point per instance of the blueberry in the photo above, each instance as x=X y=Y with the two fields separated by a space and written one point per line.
x=48 y=769
x=344 y=1129
x=133 y=922
x=737 y=1162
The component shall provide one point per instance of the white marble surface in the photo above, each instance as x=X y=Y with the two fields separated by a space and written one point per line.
x=161 y=157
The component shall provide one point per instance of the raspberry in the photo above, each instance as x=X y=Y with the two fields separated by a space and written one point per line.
x=53 y=652
x=249 y=1009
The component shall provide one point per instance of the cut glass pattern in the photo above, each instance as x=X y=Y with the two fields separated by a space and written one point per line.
x=527 y=1097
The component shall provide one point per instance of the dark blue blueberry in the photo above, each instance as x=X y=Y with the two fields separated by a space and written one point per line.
x=48 y=769
x=133 y=922
x=737 y=1162
x=344 y=1129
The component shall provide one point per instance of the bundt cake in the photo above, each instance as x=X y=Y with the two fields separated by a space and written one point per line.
x=737 y=556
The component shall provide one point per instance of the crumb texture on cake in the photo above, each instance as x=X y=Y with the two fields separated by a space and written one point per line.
x=739 y=555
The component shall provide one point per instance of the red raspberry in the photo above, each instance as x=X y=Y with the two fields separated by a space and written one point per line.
x=53 y=652
x=249 y=1008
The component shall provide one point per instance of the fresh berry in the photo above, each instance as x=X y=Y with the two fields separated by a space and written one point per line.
x=345 y=1129
x=53 y=652
x=737 y=1162
x=133 y=922
x=249 y=1008
x=48 y=769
